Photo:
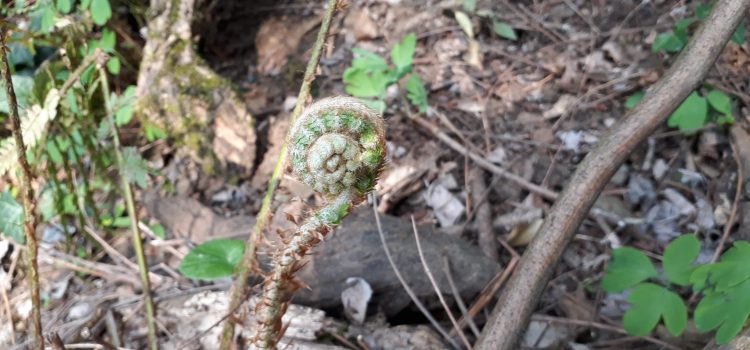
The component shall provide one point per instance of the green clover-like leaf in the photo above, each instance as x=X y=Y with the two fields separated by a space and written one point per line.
x=629 y=267
x=726 y=310
x=650 y=304
x=679 y=257
x=731 y=270
x=720 y=101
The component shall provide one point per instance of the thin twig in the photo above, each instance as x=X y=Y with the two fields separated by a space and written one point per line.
x=436 y=287
x=511 y=314
x=401 y=279
x=239 y=292
x=27 y=193
x=735 y=205
x=136 y=238
x=597 y=325
x=481 y=161
x=457 y=294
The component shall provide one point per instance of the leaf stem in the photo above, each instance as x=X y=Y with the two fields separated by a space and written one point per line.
x=239 y=292
x=133 y=214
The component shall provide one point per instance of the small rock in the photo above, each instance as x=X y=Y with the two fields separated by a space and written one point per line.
x=355 y=298
x=660 y=168
x=79 y=311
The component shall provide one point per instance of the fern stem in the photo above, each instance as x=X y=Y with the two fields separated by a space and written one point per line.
x=337 y=147
x=239 y=291
x=133 y=214
x=27 y=193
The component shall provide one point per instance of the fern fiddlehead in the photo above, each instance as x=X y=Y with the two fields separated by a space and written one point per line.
x=337 y=146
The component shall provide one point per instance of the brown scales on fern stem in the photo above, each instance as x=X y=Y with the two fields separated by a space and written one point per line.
x=337 y=147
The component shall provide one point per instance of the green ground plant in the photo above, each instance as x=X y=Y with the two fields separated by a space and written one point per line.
x=724 y=288
x=675 y=40
x=697 y=110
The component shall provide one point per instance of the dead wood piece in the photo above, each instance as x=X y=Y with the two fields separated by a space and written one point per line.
x=486 y=235
x=354 y=250
x=511 y=314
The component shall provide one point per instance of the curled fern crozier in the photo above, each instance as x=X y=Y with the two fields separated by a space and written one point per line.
x=337 y=146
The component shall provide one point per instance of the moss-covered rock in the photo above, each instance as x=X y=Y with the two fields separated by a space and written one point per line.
x=179 y=92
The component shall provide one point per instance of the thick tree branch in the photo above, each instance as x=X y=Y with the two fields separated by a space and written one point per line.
x=517 y=302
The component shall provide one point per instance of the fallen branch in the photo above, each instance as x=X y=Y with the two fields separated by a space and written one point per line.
x=511 y=314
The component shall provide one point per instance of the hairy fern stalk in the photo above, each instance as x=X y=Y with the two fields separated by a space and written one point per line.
x=337 y=147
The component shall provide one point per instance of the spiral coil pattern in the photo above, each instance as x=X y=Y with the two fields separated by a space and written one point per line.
x=337 y=144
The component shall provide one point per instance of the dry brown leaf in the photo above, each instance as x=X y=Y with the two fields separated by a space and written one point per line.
x=276 y=40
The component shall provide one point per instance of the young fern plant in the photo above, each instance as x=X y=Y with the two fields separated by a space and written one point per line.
x=337 y=147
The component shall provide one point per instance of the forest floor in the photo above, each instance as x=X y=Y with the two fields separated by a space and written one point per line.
x=533 y=106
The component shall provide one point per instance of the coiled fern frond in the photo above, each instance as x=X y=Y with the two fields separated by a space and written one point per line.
x=337 y=147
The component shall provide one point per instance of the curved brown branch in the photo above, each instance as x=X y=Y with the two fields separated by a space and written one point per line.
x=517 y=302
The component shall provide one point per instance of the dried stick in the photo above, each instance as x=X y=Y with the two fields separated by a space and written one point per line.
x=133 y=214
x=400 y=277
x=517 y=302
x=27 y=193
x=239 y=292
x=435 y=286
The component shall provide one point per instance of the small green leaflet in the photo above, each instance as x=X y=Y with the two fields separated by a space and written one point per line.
x=728 y=310
x=668 y=42
x=679 y=257
x=731 y=270
x=213 y=259
x=416 y=93
x=504 y=30
x=11 y=217
x=650 y=304
x=402 y=54
x=633 y=100
x=134 y=168
x=124 y=106
x=153 y=132
x=690 y=115
x=64 y=6
x=720 y=102
x=367 y=61
x=23 y=86
x=362 y=84
x=113 y=65
x=628 y=267
x=100 y=11
x=158 y=230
